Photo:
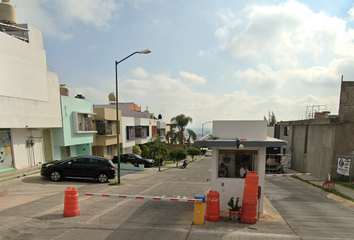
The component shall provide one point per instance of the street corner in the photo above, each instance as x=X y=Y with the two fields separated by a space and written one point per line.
x=270 y=214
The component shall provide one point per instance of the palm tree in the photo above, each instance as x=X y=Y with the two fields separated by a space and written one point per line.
x=158 y=151
x=191 y=134
x=181 y=122
x=174 y=136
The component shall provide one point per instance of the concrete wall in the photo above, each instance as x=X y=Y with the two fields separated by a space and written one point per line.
x=29 y=94
x=27 y=156
x=320 y=150
x=127 y=144
x=315 y=157
x=252 y=130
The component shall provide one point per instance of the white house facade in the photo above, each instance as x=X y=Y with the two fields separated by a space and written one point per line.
x=29 y=98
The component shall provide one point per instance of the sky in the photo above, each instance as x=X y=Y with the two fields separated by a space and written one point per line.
x=210 y=60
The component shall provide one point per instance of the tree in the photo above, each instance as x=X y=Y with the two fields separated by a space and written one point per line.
x=136 y=150
x=145 y=151
x=178 y=154
x=272 y=119
x=191 y=134
x=158 y=151
x=174 y=136
x=181 y=121
x=193 y=151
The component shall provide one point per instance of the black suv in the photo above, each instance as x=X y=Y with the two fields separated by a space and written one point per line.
x=88 y=166
x=134 y=159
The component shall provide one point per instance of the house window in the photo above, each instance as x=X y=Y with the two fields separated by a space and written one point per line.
x=234 y=160
x=106 y=127
x=83 y=122
x=286 y=131
x=109 y=151
x=137 y=132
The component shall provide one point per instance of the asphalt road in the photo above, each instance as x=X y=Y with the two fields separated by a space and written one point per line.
x=33 y=209
x=308 y=211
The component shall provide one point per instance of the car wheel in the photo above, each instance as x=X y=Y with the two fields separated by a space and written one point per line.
x=102 y=178
x=56 y=176
x=146 y=165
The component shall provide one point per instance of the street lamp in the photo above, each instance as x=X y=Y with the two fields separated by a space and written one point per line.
x=146 y=51
x=203 y=125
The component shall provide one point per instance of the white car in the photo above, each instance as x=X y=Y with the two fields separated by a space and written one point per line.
x=208 y=153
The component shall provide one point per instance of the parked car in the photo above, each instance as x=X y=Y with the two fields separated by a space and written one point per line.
x=134 y=159
x=208 y=153
x=88 y=166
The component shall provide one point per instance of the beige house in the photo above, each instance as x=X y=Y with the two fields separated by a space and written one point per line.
x=105 y=140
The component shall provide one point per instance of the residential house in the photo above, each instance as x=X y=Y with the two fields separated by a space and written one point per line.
x=105 y=140
x=136 y=126
x=76 y=135
x=29 y=95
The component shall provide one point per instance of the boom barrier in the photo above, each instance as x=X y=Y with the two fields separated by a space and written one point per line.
x=199 y=202
x=285 y=175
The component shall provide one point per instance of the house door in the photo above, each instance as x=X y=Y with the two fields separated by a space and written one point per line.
x=65 y=152
x=48 y=154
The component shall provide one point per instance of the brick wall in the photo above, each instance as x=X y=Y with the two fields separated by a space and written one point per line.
x=346 y=103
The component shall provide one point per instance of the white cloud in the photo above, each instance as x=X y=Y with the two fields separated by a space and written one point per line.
x=289 y=35
x=140 y=73
x=351 y=14
x=265 y=77
x=170 y=97
x=95 y=12
x=191 y=79
x=52 y=17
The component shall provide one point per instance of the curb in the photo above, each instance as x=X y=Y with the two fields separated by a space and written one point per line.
x=18 y=176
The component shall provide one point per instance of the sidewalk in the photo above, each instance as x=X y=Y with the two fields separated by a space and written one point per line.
x=319 y=182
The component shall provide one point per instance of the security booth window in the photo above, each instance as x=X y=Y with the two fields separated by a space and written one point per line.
x=230 y=162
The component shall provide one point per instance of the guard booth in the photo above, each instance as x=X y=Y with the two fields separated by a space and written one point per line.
x=237 y=144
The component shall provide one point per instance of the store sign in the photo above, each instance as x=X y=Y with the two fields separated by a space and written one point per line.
x=343 y=166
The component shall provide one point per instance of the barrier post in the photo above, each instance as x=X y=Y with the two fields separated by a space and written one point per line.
x=199 y=209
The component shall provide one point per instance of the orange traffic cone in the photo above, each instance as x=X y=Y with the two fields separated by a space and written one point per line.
x=71 y=202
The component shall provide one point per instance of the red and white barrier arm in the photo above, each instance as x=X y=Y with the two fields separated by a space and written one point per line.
x=290 y=174
x=144 y=197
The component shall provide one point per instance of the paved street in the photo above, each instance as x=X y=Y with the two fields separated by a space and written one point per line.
x=308 y=211
x=33 y=209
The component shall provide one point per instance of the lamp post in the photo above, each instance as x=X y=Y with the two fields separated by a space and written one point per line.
x=146 y=51
x=203 y=125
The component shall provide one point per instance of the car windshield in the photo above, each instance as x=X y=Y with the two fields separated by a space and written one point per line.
x=138 y=156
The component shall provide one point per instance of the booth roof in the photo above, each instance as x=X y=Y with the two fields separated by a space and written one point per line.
x=210 y=141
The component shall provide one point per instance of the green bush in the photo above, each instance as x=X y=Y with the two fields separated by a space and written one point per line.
x=145 y=151
x=137 y=150
x=178 y=154
x=193 y=151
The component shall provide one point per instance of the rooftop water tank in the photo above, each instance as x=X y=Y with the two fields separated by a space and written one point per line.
x=64 y=90
x=112 y=97
x=7 y=12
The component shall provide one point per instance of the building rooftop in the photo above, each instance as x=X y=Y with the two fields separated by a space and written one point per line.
x=209 y=140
